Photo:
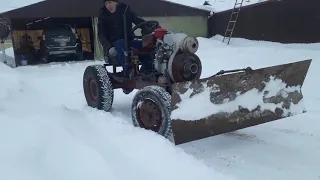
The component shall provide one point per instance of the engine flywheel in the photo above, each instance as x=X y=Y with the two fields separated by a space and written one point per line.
x=185 y=67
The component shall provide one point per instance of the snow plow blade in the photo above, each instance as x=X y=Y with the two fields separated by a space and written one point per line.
x=225 y=103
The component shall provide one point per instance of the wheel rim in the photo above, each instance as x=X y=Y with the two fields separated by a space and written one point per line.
x=93 y=90
x=149 y=115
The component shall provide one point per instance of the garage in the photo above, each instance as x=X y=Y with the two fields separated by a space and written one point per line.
x=45 y=40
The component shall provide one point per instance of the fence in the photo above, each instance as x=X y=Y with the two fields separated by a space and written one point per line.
x=285 y=21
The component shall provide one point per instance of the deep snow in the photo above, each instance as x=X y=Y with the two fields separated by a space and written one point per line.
x=48 y=132
x=204 y=107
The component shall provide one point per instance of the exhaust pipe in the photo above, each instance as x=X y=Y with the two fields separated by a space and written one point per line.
x=191 y=67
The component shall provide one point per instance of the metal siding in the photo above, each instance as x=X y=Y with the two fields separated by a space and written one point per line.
x=190 y=25
x=291 y=21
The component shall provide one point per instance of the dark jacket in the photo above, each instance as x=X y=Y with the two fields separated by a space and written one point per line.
x=111 y=25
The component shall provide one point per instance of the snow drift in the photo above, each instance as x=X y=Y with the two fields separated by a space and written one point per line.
x=42 y=138
x=48 y=132
x=9 y=80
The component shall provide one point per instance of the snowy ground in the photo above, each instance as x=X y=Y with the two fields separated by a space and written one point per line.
x=48 y=132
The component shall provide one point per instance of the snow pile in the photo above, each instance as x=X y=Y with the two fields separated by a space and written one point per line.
x=8 y=57
x=9 y=81
x=48 y=132
x=9 y=52
x=250 y=100
x=15 y=4
x=216 y=5
x=72 y=144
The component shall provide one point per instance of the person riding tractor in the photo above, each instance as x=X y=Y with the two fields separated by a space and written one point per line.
x=166 y=97
x=111 y=32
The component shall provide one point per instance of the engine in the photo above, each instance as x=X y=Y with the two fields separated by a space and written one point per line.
x=175 y=54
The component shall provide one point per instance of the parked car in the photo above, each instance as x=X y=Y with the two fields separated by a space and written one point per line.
x=60 y=41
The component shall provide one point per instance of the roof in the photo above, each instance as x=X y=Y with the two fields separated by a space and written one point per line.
x=86 y=8
x=216 y=6
x=15 y=4
x=259 y=3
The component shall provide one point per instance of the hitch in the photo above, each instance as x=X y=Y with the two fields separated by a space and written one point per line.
x=247 y=70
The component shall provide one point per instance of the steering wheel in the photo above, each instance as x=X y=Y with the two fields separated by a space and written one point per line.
x=147 y=27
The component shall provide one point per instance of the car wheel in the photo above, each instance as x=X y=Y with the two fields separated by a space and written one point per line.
x=45 y=59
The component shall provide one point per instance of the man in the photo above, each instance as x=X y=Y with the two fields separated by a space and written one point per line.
x=111 y=30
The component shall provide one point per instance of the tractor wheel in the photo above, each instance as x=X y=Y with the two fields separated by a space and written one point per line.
x=98 y=88
x=151 y=110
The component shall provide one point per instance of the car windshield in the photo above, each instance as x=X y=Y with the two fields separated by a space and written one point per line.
x=60 y=31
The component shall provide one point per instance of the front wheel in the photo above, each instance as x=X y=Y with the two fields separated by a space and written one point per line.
x=151 y=110
x=98 y=88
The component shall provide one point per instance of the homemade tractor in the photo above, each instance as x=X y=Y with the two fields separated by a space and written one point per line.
x=173 y=100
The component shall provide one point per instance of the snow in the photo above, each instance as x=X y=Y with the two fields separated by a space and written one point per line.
x=9 y=52
x=48 y=132
x=8 y=57
x=186 y=108
x=9 y=81
x=216 y=5
x=15 y=4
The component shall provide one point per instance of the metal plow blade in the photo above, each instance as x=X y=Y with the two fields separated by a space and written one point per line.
x=221 y=104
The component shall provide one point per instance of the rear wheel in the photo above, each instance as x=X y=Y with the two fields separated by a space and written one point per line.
x=151 y=110
x=98 y=88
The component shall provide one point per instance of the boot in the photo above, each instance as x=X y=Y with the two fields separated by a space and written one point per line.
x=146 y=67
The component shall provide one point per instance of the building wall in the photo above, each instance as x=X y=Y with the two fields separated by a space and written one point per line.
x=285 y=21
x=190 y=25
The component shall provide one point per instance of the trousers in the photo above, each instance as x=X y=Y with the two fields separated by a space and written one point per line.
x=146 y=60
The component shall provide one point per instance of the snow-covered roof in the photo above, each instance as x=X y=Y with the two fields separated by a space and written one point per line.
x=15 y=4
x=216 y=5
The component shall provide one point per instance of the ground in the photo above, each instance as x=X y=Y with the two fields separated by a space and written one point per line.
x=48 y=132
